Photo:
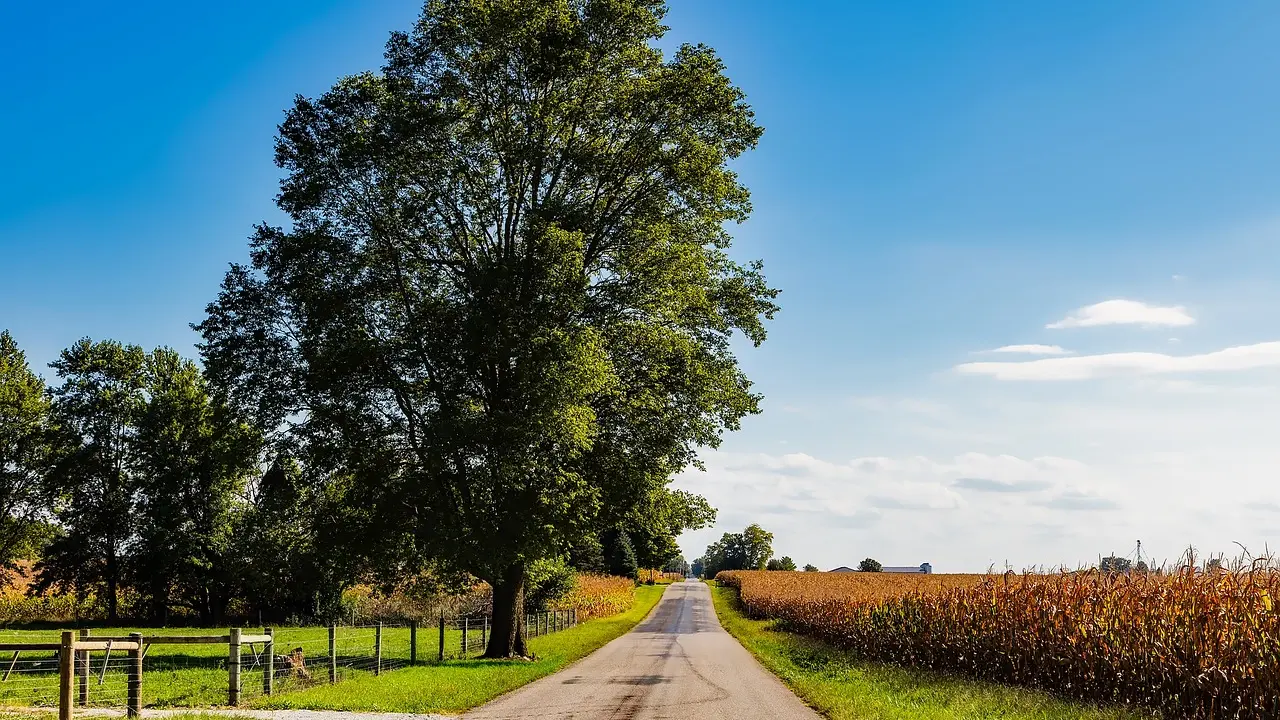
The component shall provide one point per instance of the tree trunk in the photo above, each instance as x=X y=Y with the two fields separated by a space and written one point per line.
x=506 y=632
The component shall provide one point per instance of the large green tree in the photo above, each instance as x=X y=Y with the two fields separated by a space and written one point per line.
x=503 y=307
x=96 y=409
x=26 y=454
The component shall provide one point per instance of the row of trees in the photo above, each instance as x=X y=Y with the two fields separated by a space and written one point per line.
x=750 y=549
x=128 y=478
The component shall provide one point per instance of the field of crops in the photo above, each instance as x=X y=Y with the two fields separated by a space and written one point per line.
x=595 y=596
x=1187 y=644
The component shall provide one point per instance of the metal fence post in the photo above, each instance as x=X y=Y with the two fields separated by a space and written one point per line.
x=233 y=668
x=269 y=662
x=413 y=642
x=134 y=681
x=82 y=670
x=377 y=650
x=333 y=653
x=441 y=636
x=66 y=667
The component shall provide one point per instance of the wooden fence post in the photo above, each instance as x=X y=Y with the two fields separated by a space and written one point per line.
x=333 y=654
x=233 y=668
x=441 y=636
x=377 y=650
x=413 y=642
x=465 y=627
x=134 y=677
x=82 y=670
x=484 y=632
x=66 y=667
x=269 y=662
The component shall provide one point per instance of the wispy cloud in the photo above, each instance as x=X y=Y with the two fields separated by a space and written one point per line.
x=1086 y=367
x=1032 y=350
x=1124 y=312
x=1076 y=500
x=999 y=486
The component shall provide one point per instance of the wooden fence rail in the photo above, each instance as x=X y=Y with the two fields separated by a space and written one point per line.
x=76 y=668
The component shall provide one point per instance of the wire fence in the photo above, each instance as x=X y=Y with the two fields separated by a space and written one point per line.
x=204 y=668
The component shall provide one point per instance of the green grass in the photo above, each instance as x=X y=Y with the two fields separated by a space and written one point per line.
x=457 y=685
x=843 y=688
x=196 y=675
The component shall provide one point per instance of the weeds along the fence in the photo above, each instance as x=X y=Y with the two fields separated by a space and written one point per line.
x=468 y=637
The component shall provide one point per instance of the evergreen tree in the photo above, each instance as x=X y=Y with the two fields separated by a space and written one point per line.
x=622 y=557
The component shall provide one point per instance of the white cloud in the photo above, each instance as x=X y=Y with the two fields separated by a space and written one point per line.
x=1032 y=350
x=900 y=510
x=1124 y=312
x=1086 y=367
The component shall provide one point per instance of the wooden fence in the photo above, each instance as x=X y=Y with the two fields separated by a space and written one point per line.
x=81 y=674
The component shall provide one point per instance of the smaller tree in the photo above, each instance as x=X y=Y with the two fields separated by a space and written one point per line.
x=870 y=565
x=697 y=567
x=811 y=568
x=782 y=563
x=27 y=452
x=1112 y=563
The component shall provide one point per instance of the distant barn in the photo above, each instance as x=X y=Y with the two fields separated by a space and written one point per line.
x=922 y=568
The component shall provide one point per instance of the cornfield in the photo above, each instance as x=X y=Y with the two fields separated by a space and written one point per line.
x=1187 y=644
x=657 y=576
x=595 y=596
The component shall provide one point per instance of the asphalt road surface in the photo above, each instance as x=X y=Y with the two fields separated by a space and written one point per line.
x=678 y=663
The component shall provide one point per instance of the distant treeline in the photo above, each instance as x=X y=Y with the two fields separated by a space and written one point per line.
x=130 y=489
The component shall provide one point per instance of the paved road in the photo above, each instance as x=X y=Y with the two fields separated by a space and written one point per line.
x=678 y=663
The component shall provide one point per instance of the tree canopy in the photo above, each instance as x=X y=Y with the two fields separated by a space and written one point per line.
x=501 y=315
x=747 y=550
x=870 y=565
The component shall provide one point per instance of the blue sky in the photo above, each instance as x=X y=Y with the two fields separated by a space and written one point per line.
x=935 y=181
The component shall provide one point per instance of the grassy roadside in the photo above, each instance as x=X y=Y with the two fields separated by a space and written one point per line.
x=458 y=685
x=842 y=688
